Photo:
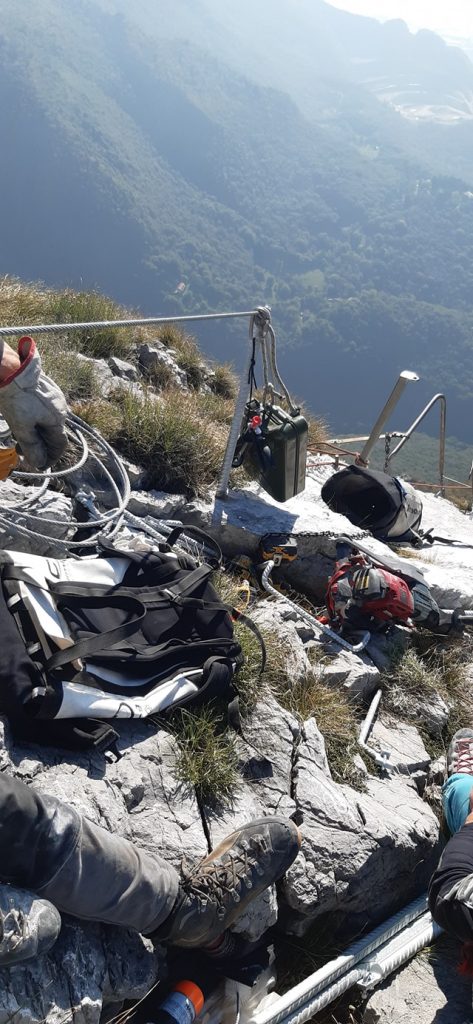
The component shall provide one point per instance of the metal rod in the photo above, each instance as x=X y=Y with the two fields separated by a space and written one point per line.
x=143 y=322
x=297 y=1003
x=404 y=378
x=381 y=757
x=362 y=437
x=307 y=617
x=443 y=426
x=242 y=398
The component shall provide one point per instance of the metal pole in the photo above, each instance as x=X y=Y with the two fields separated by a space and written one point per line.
x=404 y=378
x=242 y=398
x=443 y=428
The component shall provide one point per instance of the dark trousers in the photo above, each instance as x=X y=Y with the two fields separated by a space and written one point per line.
x=451 y=886
x=47 y=847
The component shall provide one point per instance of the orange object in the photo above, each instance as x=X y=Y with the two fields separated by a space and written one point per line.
x=193 y=992
x=8 y=462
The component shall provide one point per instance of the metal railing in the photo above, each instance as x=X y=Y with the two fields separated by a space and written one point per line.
x=371 y=439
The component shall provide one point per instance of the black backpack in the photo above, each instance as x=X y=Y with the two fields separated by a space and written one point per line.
x=386 y=506
x=127 y=635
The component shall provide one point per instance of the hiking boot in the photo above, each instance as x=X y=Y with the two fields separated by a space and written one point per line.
x=28 y=926
x=460 y=753
x=218 y=890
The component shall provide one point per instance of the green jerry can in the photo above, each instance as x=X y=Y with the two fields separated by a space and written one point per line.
x=286 y=438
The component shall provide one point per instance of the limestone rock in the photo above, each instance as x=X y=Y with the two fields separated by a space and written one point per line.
x=358 y=848
x=158 y=504
x=120 y=368
x=53 y=506
x=406 y=752
x=354 y=672
x=426 y=990
x=266 y=765
x=151 y=356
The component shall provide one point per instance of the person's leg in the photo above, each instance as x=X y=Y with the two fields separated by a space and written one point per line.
x=456 y=800
x=86 y=871
x=46 y=846
x=451 y=886
x=457 y=789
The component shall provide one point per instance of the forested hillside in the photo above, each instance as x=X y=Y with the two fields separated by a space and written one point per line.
x=248 y=154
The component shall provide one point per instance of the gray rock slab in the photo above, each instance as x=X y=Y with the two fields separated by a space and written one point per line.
x=403 y=744
x=156 y=354
x=53 y=510
x=158 y=504
x=120 y=368
x=360 y=850
x=428 y=990
x=355 y=673
x=244 y=516
x=266 y=761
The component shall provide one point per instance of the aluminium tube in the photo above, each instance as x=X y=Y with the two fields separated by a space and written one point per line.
x=404 y=378
x=307 y=617
x=300 y=996
x=381 y=757
x=443 y=426
x=240 y=404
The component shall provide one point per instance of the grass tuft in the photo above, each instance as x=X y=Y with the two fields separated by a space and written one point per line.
x=69 y=306
x=178 y=450
x=207 y=758
x=223 y=383
x=76 y=377
x=334 y=714
x=22 y=303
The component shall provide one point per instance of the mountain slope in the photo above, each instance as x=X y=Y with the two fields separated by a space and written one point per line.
x=150 y=147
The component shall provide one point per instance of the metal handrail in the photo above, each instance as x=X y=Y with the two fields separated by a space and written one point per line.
x=361 y=458
x=442 y=433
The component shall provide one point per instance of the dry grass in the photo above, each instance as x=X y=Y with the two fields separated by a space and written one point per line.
x=75 y=376
x=334 y=714
x=207 y=758
x=432 y=666
x=69 y=306
x=224 y=383
x=22 y=303
x=179 y=450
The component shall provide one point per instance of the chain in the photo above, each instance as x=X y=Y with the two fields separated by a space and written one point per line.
x=387 y=451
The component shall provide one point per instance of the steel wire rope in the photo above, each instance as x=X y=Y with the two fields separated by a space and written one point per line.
x=141 y=322
x=12 y=517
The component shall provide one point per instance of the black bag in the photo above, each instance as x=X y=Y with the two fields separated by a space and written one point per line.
x=123 y=636
x=390 y=508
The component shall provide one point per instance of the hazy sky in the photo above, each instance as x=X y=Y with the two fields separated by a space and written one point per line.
x=447 y=17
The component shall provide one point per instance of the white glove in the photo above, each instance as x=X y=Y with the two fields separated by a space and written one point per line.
x=35 y=409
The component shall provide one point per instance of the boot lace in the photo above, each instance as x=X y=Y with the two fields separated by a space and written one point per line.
x=221 y=880
x=462 y=760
